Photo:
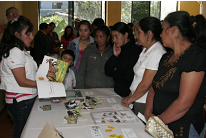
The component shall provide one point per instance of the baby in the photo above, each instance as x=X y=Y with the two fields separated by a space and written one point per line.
x=69 y=80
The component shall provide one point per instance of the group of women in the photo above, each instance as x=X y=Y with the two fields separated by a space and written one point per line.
x=170 y=85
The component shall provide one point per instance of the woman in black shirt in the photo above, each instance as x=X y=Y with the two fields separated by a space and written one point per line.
x=125 y=55
x=179 y=87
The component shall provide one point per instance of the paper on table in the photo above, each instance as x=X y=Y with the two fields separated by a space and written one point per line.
x=96 y=133
x=111 y=100
x=129 y=133
x=89 y=93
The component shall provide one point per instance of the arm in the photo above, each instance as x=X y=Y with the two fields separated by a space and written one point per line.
x=110 y=65
x=149 y=104
x=20 y=76
x=189 y=86
x=142 y=88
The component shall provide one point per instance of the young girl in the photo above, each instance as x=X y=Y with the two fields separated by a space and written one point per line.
x=67 y=37
x=80 y=43
x=18 y=71
x=69 y=80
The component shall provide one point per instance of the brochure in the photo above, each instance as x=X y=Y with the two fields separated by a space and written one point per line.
x=49 y=78
x=113 y=117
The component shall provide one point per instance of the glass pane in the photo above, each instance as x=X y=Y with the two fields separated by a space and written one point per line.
x=140 y=9
x=126 y=10
x=54 y=11
x=167 y=7
x=155 y=9
x=88 y=10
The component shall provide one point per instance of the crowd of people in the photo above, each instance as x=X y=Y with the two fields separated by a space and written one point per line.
x=170 y=84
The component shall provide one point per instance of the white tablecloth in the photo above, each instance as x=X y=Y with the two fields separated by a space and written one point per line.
x=110 y=100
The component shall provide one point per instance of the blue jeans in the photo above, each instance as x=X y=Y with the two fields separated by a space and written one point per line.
x=20 y=112
x=193 y=133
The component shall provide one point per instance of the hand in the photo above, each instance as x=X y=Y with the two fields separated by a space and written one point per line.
x=116 y=50
x=148 y=115
x=124 y=101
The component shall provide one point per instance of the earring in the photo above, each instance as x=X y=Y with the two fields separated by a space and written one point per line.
x=148 y=39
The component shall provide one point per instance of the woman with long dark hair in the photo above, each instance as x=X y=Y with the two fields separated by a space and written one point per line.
x=67 y=37
x=125 y=55
x=178 y=89
x=18 y=71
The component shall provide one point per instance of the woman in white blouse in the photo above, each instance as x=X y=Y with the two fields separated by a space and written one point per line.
x=18 y=71
x=148 y=35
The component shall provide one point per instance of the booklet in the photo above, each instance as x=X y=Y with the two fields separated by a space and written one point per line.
x=49 y=78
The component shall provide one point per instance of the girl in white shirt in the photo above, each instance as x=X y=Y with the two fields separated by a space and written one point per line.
x=18 y=71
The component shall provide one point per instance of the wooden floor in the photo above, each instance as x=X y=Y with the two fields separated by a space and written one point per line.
x=6 y=125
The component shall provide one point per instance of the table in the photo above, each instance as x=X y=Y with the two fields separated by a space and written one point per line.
x=110 y=100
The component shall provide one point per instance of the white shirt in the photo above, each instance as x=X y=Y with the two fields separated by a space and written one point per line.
x=17 y=59
x=69 y=80
x=147 y=60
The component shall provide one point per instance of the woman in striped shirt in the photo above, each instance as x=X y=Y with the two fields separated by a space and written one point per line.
x=18 y=71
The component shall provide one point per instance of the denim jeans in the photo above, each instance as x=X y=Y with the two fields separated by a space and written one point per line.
x=20 y=112
x=193 y=133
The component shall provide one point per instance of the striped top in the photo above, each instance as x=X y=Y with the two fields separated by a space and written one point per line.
x=18 y=96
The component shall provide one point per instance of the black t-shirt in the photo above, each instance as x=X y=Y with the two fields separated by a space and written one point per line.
x=166 y=85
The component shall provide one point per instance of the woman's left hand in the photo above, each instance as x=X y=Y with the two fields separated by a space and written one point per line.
x=125 y=101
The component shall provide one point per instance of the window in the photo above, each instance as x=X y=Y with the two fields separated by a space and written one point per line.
x=56 y=5
x=133 y=11
x=63 y=12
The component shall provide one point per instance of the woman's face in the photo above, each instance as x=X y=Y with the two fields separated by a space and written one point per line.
x=118 y=38
x=25 y=37
x=84 y=32
x=68 y=31
x=141 y=36
x=165 y=35
x=101 y=38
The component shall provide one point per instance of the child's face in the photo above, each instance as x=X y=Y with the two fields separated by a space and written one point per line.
x=68 y=58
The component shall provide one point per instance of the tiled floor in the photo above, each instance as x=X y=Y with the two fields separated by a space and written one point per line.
x=6 y=125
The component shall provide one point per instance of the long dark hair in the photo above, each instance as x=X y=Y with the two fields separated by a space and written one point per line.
x=153 y=24
x=65 y=33
x=195 y=34
x=123 y=28
x=9 y=40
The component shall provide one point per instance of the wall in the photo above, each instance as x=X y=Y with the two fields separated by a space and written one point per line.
x=5 y=5
x=28 y=9
x=192 y=7
x=113 y=12
x=203 y=8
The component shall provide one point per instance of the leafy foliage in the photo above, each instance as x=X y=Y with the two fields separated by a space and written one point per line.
x=60 y=23
x=87 y=10
x=136 y=10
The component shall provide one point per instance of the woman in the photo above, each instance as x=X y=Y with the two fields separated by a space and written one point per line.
x=67 y=37
x=91 y=70
x=148 y=36
x=178 y=89
x=18 y=71
x=80 y=43
x=125 y=55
